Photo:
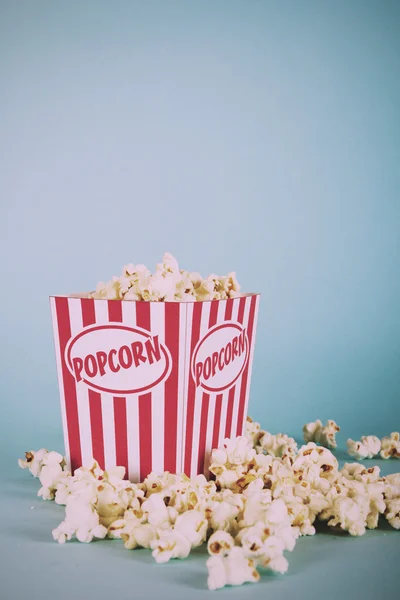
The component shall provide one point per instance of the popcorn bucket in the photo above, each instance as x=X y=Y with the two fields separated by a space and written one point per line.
x=152 y=386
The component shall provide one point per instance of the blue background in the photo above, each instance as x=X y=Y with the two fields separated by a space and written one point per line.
x=255 y=136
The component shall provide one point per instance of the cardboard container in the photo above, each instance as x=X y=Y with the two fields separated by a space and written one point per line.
x=152 y=386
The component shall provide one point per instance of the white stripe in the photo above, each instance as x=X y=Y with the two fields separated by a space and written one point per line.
x=213 y=398
x=107 y=401
x=239 y=381
x=157 y=327
x=251 y=357
x=184 y=335
x=185 y=394
x=132 y=409
x=205 y=315
x=60 y=380
x=82 y=391
x=224 y=411
x=236 y=400
x=210 y=431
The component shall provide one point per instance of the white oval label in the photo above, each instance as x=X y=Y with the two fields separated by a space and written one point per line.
x=220 y=357
x=117 y=359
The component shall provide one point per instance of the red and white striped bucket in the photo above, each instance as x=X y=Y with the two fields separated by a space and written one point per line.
x=152 y=386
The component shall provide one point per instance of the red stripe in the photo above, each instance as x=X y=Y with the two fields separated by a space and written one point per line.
x=217 y=421
x=203 y=432
x=242 y=304
x=196 y=320
x=243 y=389
x=212 y=319
x=71 y=404
x=228 y=309
x=172 y=328
x=96 y=417
x=115 y=310
x=145 y=429
x=143 y=315
x=88 y=312
x=120 y=421
x=229 y=412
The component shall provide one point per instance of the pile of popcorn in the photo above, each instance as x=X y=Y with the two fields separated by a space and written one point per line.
x=168 y=284
x=265 y=494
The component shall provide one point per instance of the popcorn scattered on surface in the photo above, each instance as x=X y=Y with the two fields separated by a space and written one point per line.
x=321 y=434
x=81 y=519
x=33 y=461
x=390 y=446
x=167 y=284
x=356 y=499
x=49 y=467
x=392 y=499
x=266 y=494
x=231 y=569
x=368 y=447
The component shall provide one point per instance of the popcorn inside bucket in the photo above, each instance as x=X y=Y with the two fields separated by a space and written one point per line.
x=154 y=369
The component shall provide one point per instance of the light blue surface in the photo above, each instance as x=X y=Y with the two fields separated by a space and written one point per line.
x=259 y=136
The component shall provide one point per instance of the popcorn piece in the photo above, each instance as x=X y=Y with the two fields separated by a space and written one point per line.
x=390 y=446
x=229 y=463
x=392 y=485
x=356 y=499
x=33 y=461
x=156 y=483
x=233 y=569
x=81 y=520
x=193 y=525
x=132 y=531
x=51 y=474
x=320 y=434
x=315 y=465
x=113 y=499
x=367 y=482
x=271 y=556
x=368 y=447
x=279 y=445
x=234 y=452
x=157 y=512
x=170 y=543
x=349 y=514
x=275 y=522
x=220 y=542
x=258 y=502
x=222 y=514
x=99 y=497
x=86 y=477
x=224 y=287
x=252 y=431
x=392 y=512
x=392 y=499
x=357 y=472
